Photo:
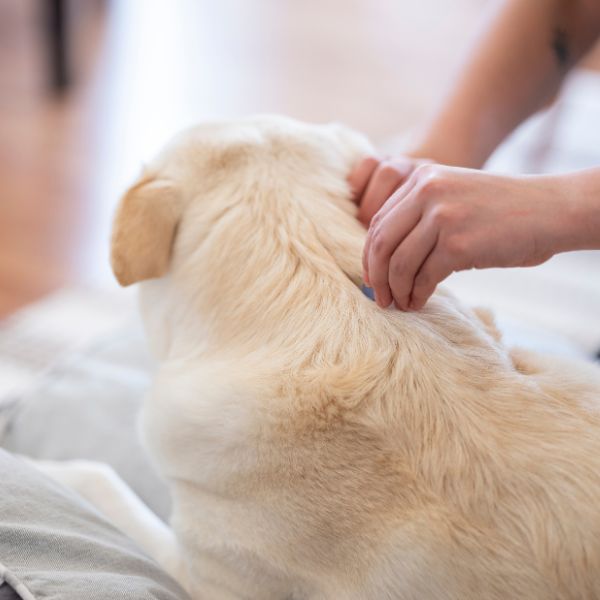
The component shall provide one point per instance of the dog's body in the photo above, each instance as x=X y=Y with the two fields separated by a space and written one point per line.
x=317 y=446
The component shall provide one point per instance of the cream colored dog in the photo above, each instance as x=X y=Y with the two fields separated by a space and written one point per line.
x=316 y=446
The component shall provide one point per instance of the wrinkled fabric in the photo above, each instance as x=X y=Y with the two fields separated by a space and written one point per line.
x=53 y=545
x=86 y=407
x=7 y=592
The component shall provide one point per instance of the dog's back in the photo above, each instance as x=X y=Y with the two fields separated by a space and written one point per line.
x=319 y=445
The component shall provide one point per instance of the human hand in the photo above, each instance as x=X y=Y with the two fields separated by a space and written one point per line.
x=373 y=181
x=446 y=219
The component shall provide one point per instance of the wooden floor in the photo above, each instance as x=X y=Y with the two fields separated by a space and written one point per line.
x=146 y=68
x=44 y=158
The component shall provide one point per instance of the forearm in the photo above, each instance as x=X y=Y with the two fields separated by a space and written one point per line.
x=580 y=192
x=516 y=67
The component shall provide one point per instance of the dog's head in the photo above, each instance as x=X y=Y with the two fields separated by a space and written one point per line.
x=259 y=151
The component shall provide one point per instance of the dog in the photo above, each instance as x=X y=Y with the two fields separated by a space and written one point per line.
x=316 y=446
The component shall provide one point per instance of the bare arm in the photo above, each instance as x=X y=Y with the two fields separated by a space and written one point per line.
x=439 y=219
x=447 y=219
x=515 y=67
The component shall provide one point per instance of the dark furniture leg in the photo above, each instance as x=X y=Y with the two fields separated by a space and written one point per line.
x=57 y=34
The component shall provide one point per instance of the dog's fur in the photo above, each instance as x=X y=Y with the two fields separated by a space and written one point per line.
x=317 y=446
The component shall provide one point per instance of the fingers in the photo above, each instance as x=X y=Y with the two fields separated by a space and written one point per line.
x=434 y=270
x=385 y=179
x=383 y=241
x=398 y=196
x=407 y=260
x=378 y=219
x=360 y=176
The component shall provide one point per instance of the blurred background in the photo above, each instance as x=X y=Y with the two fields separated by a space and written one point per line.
x=89 y=89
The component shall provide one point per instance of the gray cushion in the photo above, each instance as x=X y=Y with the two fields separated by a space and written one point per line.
x=7 y=592
x=86 y=407
x=53 y=545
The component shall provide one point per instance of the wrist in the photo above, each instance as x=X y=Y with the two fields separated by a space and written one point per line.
x=576 y=210
x=582 y=195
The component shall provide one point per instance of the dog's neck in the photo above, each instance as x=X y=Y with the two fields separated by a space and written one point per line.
x=281 y=272
x=266 y=295
x=268 y=258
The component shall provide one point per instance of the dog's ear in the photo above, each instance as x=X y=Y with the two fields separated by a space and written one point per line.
x=144 y=230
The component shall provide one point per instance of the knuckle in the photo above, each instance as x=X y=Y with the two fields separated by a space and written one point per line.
x=372 y=162
x=441 y=214
x=431 y=184
x=375 y=221
x=388 y=171
x=456 y=246
x=379 y=243
x=398 y=268
x=430 y=178
x=368 y=164
x=426 y=170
